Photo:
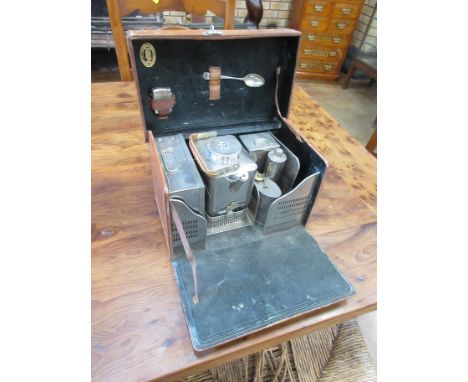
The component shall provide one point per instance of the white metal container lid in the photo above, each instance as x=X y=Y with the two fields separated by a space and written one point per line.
x=220 y=155
x=277 y=155
x=225 y=149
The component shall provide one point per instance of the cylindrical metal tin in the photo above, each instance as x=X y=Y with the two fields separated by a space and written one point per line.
x=275 y=164
x=267 y=192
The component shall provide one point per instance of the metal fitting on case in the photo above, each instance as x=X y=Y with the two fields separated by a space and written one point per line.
x=162 y=101
x=213 y=32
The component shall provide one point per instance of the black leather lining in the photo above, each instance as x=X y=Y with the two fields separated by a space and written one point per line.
x=180 y=65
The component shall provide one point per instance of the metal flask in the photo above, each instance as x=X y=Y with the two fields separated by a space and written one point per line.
x=227 y=169
x=264 y=194
x=275 y=164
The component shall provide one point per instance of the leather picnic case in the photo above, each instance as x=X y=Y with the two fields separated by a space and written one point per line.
x=234 y=180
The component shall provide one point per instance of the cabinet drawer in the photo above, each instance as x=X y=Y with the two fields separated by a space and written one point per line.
x=348 y=11
x=318 y=8
x=328 y=39
x=341 y=26
x=317 y=66
x=314 y=23
x=318 y=52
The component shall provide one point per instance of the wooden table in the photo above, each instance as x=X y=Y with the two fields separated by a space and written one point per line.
x=138 y=327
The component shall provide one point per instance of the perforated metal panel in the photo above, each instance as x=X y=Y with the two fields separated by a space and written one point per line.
x=190 y=228
x=223 y=223
x=291 y=209
x=194 y=224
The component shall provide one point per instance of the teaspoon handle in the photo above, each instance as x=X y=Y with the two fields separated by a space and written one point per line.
x=207 y=76
x=231 y=78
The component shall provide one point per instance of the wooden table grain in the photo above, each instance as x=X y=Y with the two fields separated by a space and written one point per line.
x=138 y=327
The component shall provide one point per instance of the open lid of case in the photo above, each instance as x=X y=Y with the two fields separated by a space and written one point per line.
x=177 y=59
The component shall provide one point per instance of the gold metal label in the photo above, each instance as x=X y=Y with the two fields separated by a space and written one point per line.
x=147 y=55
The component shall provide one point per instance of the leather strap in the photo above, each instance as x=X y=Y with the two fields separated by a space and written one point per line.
x=187 y=250
x=284 y=119
x=162 y=107
x=215 y=82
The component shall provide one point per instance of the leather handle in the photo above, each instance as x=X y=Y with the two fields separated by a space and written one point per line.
x=173 y=27
x=215 y=82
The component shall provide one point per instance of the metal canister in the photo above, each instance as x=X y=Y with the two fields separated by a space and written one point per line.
x=275 y=164
x=266 y=193
x=258 y=145
x=228 y=171
x=183 y=179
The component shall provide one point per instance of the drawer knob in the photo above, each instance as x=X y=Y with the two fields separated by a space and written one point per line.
x=318 y=8
x=341 y=25
x=346 y=11
x=327 y=67
x=336 y=39
x=311 y=37
x=314 y=23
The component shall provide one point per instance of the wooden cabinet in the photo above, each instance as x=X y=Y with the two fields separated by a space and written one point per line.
x=327 y=28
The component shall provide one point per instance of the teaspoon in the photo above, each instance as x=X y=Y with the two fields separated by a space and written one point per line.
x=252 y=80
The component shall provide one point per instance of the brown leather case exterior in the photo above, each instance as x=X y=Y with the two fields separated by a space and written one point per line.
x=161 y=191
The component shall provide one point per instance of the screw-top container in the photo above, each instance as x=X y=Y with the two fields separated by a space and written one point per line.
x=275 y=164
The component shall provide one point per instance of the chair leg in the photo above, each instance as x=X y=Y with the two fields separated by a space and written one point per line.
x=372 y=144
x=348 y=75
x=119 y=40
